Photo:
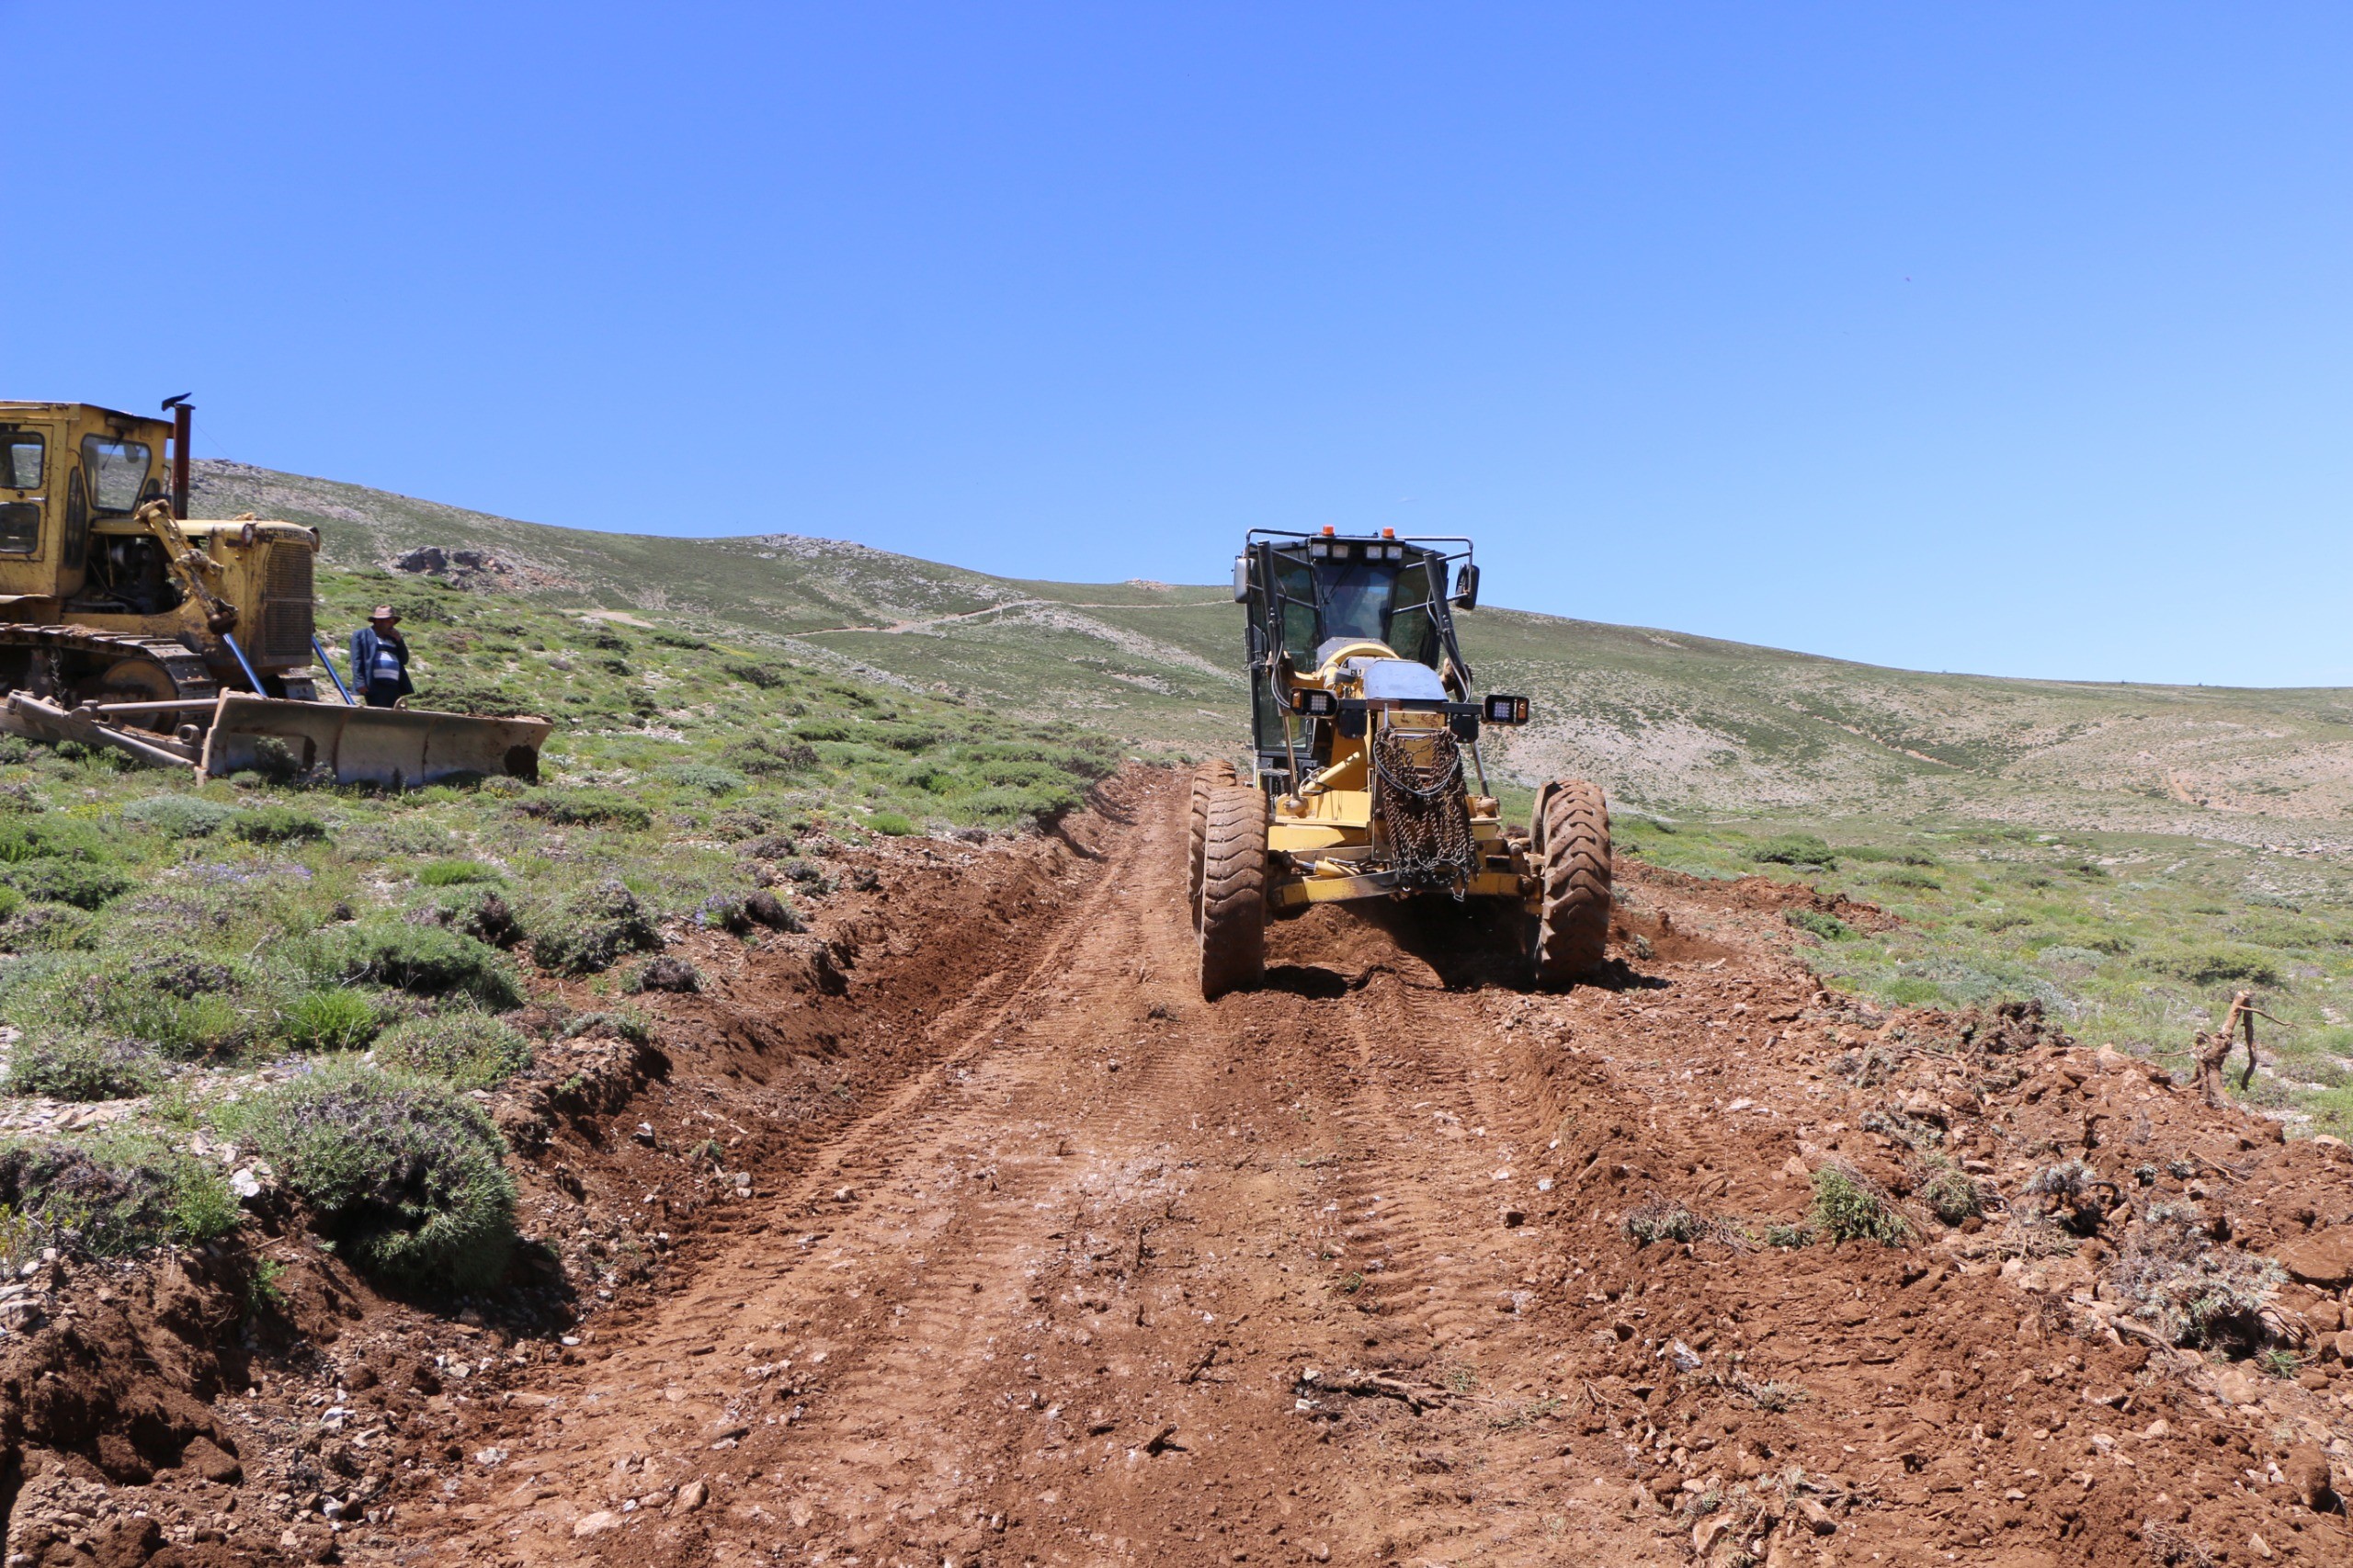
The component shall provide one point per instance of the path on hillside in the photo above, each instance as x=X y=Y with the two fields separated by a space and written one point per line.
x=928 y=622
x=1334 y=1271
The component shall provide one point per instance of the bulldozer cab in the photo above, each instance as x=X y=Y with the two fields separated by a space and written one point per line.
x=66 y=468
x=1310 y=596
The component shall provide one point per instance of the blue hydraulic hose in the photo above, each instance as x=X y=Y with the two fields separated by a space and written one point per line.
x=254 y=679
x=329 y=665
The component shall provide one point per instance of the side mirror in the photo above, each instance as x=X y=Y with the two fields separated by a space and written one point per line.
x=1466 y=586
x=1241 y=579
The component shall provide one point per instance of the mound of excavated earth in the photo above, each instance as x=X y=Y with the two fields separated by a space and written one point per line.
x=961 y=1230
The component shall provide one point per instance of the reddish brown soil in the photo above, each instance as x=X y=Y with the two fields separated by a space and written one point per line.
x=1043 y=1260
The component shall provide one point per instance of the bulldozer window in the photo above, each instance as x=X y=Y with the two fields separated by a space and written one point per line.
x=75 y=545
x=118 y=472
x=20 y=455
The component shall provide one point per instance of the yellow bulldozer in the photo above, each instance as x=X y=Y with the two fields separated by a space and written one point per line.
x=1361 y=721
x=125 y=624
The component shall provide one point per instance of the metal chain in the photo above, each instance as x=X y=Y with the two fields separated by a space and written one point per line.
x=1423 y=808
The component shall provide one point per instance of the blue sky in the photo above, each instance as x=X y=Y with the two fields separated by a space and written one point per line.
x=2007 y=339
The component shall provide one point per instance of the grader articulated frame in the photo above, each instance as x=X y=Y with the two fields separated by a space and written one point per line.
x=1361 y=720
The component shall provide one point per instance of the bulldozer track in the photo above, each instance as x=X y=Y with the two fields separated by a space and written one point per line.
x=188 y=673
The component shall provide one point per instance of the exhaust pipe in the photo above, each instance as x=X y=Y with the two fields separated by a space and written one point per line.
x=183 y=415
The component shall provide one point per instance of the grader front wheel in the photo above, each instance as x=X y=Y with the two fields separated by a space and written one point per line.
x=1234 y=891
x=1209 y=775
x=1570 y=935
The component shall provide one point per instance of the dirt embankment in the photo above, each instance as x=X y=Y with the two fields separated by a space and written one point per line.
x=964 y=1230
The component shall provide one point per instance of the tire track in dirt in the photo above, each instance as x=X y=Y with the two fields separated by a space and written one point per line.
x=919 y=1231
x=1056 y=1299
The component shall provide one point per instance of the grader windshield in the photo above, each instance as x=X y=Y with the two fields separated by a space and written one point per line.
x=1309 y=593
x=1358 y=590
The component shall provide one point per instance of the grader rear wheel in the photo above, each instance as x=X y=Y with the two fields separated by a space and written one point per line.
x=1233 y=892
x=1215 y=775
x=1570 y=935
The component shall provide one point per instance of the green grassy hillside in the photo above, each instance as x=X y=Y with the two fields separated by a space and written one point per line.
x=1670 y=721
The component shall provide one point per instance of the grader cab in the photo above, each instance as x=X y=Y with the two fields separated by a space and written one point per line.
x=124 y=624
x=1362 y=720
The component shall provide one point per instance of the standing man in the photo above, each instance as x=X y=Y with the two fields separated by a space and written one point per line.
x=380 y=659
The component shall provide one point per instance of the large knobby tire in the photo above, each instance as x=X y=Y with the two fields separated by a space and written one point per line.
x=1233 y=892
x=1216 y=774
x=1571 y=933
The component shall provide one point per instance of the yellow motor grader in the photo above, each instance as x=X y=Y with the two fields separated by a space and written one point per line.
x=185 y=644
x=1361 y=719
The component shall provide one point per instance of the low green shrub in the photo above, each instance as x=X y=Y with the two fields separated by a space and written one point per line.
x=471 y=1050
x=1848 y=1207
x=456 y=874
x=705 y=777
x=1873 y=853
x=178 y=816
x=678 y=640
x=116 y=1196
x=1951 y=1193
x=81 y=884
x=761 y=675
x=587 y=930
x=767 y=758
x=480 y=912
x=893 y=824
x=429 y=960
x=407 y=1176
x=176 y=1002
x=626 y=1024
x=337 y=1018
x=1021 y=805
x=49 y=928
x=1660 y=1219
x=1795 y=849
x=2224 y=964
x=1829 y=928
x=276 y=824
x=49 y=838
x=606 y=810
x=766 y=908
x=80 y=1067
x=663 y=974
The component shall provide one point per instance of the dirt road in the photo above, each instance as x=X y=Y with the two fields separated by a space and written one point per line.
x=1339 y=1271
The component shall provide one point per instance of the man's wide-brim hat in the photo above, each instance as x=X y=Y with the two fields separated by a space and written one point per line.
x=383 y=612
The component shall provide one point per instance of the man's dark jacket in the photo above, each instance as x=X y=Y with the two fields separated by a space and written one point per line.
x=364 y=643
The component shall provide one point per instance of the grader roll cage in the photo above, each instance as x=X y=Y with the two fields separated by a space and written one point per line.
x=1361 y=719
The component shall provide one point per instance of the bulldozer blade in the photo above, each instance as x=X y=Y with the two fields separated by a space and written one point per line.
x=397 y=747
x=29 y=715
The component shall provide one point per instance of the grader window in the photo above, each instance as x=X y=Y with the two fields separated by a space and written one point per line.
x=20 y=455
x=118 y=472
